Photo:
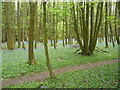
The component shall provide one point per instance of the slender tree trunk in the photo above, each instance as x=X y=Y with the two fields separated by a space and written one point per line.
x=101 y=34
x=76 y=28
x=18 y=24
x=106 y=25
x=115 y=21
x=46 y=41
x=54 y=33
x=92 y=27
x=40 y=25
x=36 y=32
x=51 y=34
x=98 y=26
x=70 y=26
x=63 y=34
x=118 y=6
x=111 y=32
x=35 y=44
x=23 y=45
x=22 y=30
x=66 y=26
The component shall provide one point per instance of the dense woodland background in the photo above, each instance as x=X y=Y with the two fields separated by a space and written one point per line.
x=50 y=22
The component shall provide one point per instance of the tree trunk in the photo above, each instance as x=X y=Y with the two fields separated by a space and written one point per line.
x=106 y=25
x=98 y=26
x=111 y=32
x=10 y=38
x=33 y=7
x=66 y=28
x=92 y=27
x=18 y=25
x=85 y=29
x=63 y=37
x=54 y=32
x=118 y=6
x=46 y=41
x=76 y=28
x=115 y=21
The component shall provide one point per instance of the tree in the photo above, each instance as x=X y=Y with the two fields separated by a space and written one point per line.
x=115 y=21
x=85 y=22
x=119 y=20
x=18 y=25
x=87 y=44
x=46 y=41
x=10 y=36
x=33 y=8
x=106 y=25
x=76 y=28
x=54 y=31
x=63 y=37
x=110 y=25
x=36 y=32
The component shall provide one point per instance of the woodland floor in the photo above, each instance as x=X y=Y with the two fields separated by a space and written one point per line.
x=41 y=76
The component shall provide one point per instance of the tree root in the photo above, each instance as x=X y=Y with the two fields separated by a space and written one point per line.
x=77 y=50
x=80 y=53
x=100 y=50
x=97 y=49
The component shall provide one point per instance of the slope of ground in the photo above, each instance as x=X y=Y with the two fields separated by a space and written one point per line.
x=14 y=63
x=43 y=75
x=105 y=76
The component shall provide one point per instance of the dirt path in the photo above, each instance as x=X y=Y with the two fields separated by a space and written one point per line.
x=43 y=75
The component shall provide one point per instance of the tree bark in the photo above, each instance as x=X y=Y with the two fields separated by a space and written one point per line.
x=111 y=32
x=106 y=25
x=115 y=21
x=54 y=32
x=76 y=28
x=10 y=38
x=63 y=36
x=18 y=25
x=33 y=7
x=46 y=41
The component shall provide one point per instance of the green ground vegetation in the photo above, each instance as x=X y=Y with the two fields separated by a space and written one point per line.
x=14 y=63
x=105 y=76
